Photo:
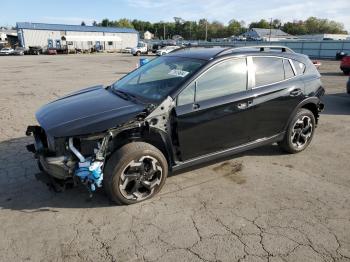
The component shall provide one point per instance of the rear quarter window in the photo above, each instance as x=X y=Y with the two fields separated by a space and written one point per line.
x=288 y=70
x=299 y=67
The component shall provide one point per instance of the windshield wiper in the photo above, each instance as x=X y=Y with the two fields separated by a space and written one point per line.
x=123 y=94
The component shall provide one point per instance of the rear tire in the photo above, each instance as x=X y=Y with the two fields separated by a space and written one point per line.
x=300 y=132
x=346 y=72
x=135 y=172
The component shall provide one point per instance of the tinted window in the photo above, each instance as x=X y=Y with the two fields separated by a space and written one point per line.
x=288 y=70
x=268 y=70
x=222 y=79
x=299 y=67
x=187 y=95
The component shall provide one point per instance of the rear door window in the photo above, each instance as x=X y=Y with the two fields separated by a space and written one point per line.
x=268 y=70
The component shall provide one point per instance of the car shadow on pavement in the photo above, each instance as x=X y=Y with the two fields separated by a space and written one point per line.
x=336 y=104
x=268 y=150
x=23 y=188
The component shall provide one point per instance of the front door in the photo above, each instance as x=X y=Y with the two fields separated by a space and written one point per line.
x=212 y=111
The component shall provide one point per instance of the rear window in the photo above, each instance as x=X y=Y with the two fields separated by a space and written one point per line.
x=299 y=67
x=268 y=70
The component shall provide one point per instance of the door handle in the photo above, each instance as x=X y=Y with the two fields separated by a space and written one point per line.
x=295 y=92
x=242 y=105
x=195 y=106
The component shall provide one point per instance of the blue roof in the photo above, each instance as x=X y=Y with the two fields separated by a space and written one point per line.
x=61 y=27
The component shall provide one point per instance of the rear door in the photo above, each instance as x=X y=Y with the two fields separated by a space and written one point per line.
x=212 y=111
x=277 y=90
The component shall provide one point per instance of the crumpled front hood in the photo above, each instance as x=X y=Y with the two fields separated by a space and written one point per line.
x=90 y=110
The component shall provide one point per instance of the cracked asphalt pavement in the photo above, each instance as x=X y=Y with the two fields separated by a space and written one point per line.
x=262 y=205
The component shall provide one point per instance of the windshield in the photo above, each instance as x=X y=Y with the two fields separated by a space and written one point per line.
x=156 y=79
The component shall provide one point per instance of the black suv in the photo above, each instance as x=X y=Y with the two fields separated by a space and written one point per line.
x=181 y=109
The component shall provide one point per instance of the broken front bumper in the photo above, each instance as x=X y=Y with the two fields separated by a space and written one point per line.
x=57 y=166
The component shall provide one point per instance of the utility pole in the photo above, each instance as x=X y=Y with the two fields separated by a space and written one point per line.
x=163 y=31
x=270 y=29
x=206 y=30
x=190 y=30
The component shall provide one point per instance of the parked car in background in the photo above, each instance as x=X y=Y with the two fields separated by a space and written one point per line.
x=34 y=50
x=189 y=107
x=19 y=51
x=317 y=63
x=339 y=55
x=6 y=51
x=127 y=50
x=142 y=48
x=51 y=51
x=345 y=65
x=155 y=47
x=166 y=50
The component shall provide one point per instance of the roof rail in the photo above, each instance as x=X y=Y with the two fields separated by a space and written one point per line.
x=194 y=46
x=260 y=47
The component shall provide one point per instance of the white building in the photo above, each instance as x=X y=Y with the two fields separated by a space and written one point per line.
x=320 y=37
x=75 y=36
x=148 y=35
x=6 y=35
x=3 y=37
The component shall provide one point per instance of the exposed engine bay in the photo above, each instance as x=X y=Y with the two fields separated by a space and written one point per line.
x=82 y=158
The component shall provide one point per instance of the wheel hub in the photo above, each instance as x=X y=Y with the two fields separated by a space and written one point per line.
x=302 y=131
x=140 y=178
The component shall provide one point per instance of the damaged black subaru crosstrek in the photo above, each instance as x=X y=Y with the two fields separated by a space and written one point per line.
x=184 y=108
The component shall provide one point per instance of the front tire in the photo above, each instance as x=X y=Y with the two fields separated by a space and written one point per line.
x=135 y=172
x=300 y=132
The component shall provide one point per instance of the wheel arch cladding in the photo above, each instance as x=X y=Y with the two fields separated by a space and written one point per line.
x=313 y=108
x=309 y=104
x=150 y=136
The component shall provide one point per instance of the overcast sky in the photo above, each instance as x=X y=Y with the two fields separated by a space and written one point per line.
x=73 y=12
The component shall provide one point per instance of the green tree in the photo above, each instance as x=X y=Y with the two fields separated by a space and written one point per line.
x=313 y=25
x=126 y=23
x=295 y=28
x=234 y=27
x=216 y=29
x=276 y=23
x=261 y=24
x=105 y=22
